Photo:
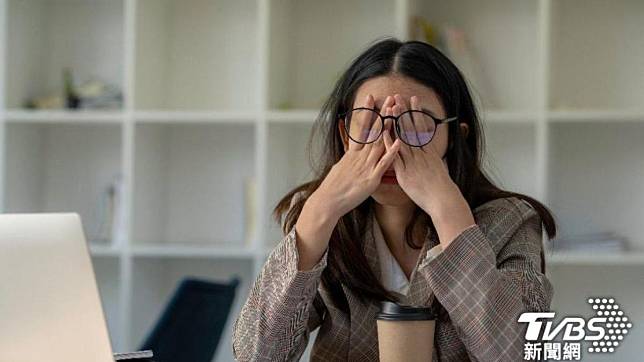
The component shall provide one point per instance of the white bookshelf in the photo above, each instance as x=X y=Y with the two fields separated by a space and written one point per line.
x=219 y=92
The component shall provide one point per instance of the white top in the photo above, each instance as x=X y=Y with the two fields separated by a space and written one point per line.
x=393 y=278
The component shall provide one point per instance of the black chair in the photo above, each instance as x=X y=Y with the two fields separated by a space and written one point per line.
x=192 y=322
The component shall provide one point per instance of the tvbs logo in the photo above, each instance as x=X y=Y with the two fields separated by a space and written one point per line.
x=603 y=332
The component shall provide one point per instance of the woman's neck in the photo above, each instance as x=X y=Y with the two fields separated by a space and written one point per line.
x=393 y=220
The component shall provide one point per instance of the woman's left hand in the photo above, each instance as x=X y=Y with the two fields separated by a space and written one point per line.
x=424 y=177
x=420 y=171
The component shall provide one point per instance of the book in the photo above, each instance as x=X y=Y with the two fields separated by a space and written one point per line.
x=250 y=202
x=109 y=213
x=143 y=356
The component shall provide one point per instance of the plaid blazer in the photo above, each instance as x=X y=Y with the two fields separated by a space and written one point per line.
x=481 y=282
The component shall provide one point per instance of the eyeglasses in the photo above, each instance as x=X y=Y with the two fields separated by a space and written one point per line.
x=414 y=127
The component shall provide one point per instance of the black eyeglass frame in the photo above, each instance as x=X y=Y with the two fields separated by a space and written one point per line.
x=437 y=121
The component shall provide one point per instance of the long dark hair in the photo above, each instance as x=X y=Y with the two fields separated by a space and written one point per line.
x=427 y=65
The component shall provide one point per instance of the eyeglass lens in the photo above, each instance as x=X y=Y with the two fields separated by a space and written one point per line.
x=415 y=128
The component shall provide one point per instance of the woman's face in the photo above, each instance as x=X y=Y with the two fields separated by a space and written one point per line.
x=381 y=87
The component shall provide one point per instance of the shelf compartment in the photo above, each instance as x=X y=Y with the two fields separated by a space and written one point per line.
x=108 y=279
x=154 y=281
x=196 y=55
x=44 y=36
x=574 y=286
x=305 y=56
x=510 y=156
x=190 y=181
x=595 y=173
x=63 y=168
x=587 y=76
x=504 y=77
x=289 y=166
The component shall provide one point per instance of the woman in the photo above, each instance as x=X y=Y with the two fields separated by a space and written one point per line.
x=400 y=211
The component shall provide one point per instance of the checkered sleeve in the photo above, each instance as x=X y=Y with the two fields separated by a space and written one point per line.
x=486 y=280
x=276 y=319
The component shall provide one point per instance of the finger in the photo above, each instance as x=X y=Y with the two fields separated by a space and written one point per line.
x=360 y=123
x=399 y=165
x=377 y=123
x=427 y=127
x=423 y=125
x=389 y=143
x=387 y=159
x=430 y=149
x=386 y=139
x=414 y=102
x=411 y=127
x=401 y=102
x=405 y=149
x=386 y=134
x=389 y=127
x=389 y=102
x=376 y=149
x=433 y=150
x=389 y=124
x=419 y=125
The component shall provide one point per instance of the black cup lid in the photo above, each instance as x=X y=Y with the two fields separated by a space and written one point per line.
x=391 y=311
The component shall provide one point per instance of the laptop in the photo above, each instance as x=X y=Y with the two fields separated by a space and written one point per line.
x=50 y=309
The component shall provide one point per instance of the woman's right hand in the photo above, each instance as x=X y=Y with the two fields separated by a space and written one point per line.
x=358 y=173
x=349 y=182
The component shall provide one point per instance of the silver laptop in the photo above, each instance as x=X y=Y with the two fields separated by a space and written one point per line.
x=50 y=308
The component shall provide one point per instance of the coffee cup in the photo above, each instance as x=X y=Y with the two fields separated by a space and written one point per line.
x=405 y=333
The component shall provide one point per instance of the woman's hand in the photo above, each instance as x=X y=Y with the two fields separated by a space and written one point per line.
x=420 y=171
x=349 y=182
x=424 y=177
x=358 y=173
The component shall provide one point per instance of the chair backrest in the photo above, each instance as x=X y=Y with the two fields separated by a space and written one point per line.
x=192 y=322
